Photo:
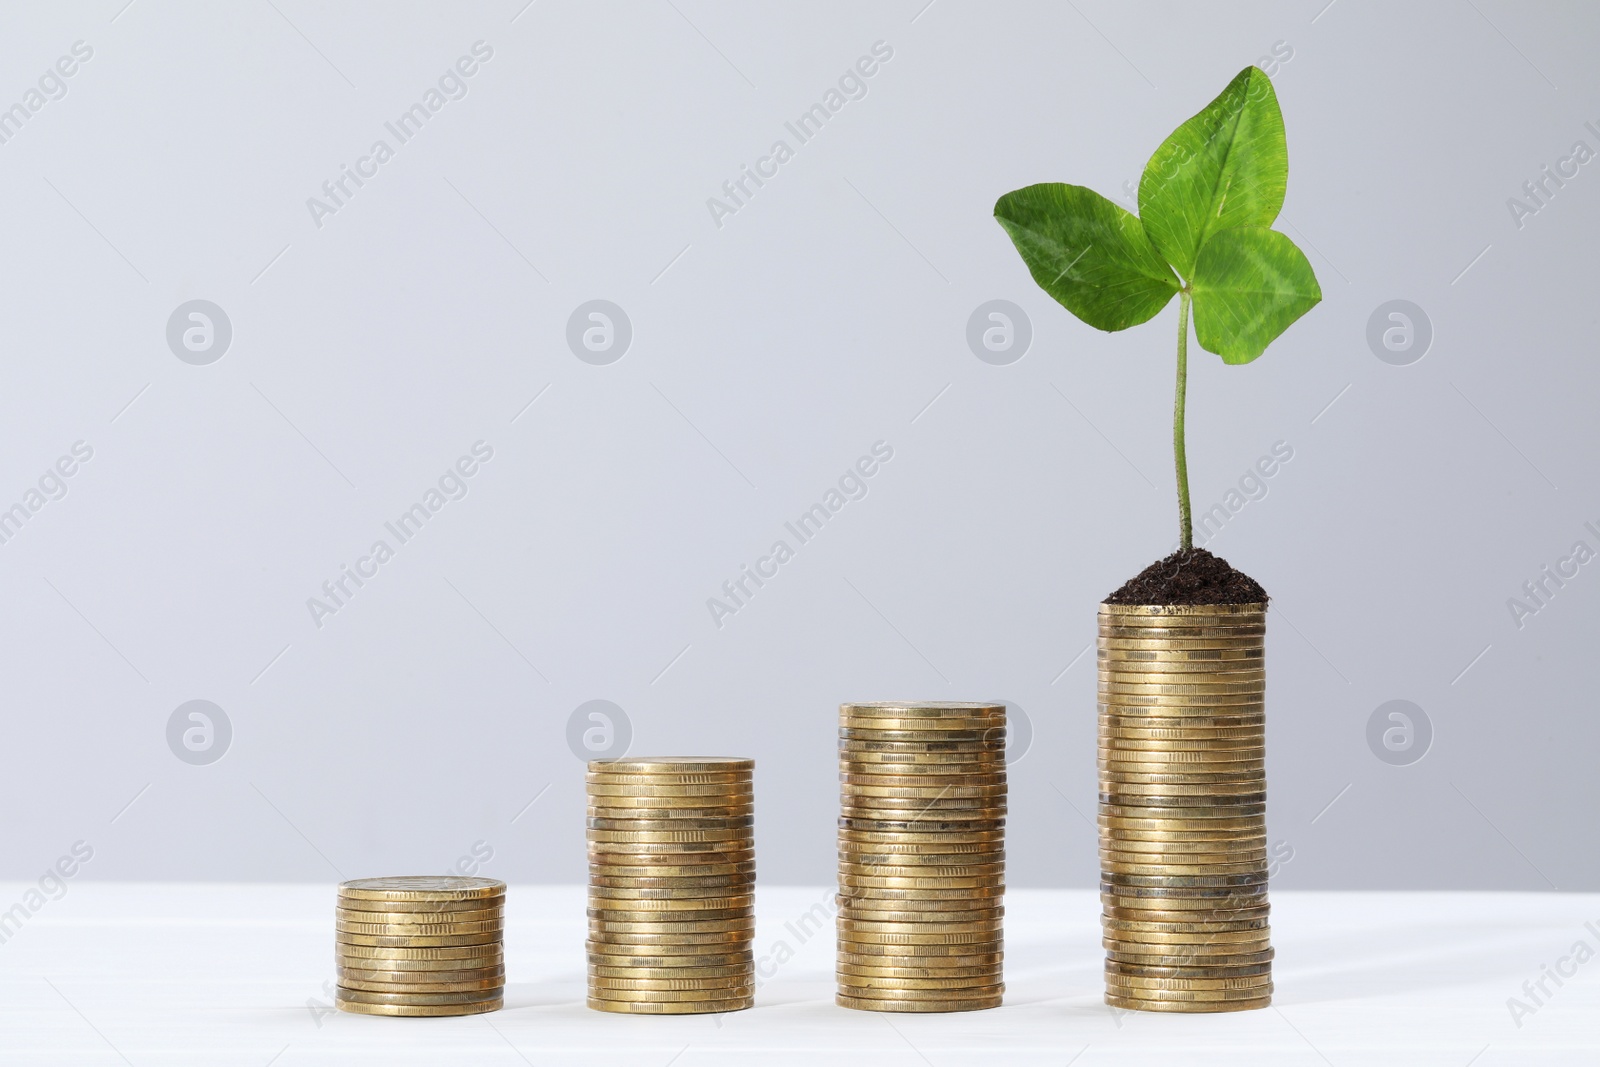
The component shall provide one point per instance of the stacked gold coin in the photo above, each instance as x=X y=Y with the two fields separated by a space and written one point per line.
x=672 y=876
x=1183 y=807
x=421 y=945
x=921 y=856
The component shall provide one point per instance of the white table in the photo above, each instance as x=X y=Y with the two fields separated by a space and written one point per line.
x=222 y=974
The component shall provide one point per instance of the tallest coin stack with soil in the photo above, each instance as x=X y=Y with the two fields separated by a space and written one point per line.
x=1182 y=678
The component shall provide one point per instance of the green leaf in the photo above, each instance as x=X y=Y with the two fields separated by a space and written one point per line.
x=1250 y=284
x=1088 y=253
x=1225 y=167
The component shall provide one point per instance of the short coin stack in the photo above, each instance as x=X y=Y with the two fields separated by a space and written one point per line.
x=921 y=856
x=1183 y=807
x=672 y=876
x=421 y=945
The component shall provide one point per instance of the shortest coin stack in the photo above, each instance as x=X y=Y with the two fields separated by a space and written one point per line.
x=421 y=945
x=671 y=885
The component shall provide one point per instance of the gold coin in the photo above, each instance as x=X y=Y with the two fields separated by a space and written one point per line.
x=670 y=777
x=419 y=929
x=736 y=970
x=1190 y=1007
x=419 y=918
x=994 y=735
x=1144 y=993
x=670 y=966
x=1255 y=938
x=1171 y=646
x=886 y=917
x=657 y=837
x=1243 y=632
x=1251 y=836
x=951 y=1004
x=357 y=905
x=705 y=794
x=662 y=942
x=1248 y=608
x=671 y=925
x=925 y=882
x=1187 y=956
x=650 y=881
x=951 y=905
x=1188 y=816
x=1212 y=749
x=990 y=860
x=902 y=806
x=1245 y=971
x=1183 y=733
x=683 y=984
x=922 y=792
x=491 y=950
x=666 y=996
x=919 y=970
x=664 y=870
x=930 y=825
x=349 y=982
x=671 y=765
x=1119 y=927
x=921 y=729
x=366 y=996
x=961 y=759
x=671 y=904
x=1174 y=851
x=418 y=940
x=375 y=970
x=1162 y=652
x=705 y=951
x=917 y=955
x=723 y=803
x=600 y=892
x=705 y=1007
x=1140 y=981
x=876 y=937
x=974 y=838
x=927 y=925
x=854 y=984
x=1179 y=869
x=691 y=816
x=851 y=774
x=495 y=962
x=920 y=707
x=874 y=896
x=631 y=825
x=1184 y=671
x=909 y=870
x=995 y=849
x=1180 y=916
x=697 y=915
x=421 y=887
x=671 y=853
x=420 y=1010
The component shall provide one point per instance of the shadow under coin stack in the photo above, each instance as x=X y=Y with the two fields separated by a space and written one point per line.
x=672 y=875
x=1183 y=807
x=921 y=856
x=422 y=945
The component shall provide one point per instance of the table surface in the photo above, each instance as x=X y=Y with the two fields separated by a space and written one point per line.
x=241 y=974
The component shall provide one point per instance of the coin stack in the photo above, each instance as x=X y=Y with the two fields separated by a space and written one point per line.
x=921 y=856
x=420 y=945
x=1183 y=807
x=672 y=876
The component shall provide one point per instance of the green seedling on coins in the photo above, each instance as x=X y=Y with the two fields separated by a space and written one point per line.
x=1207 y=201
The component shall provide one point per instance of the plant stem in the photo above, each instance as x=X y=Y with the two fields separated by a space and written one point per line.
x=1179 y=453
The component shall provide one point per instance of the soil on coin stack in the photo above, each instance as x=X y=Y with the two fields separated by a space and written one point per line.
x=1192 y=577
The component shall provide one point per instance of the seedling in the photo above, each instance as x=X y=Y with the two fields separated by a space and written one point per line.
x=1207 y=201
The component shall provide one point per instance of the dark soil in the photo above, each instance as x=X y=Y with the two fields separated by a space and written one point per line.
x=1192 y=577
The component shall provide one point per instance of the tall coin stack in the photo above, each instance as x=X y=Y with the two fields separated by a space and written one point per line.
x=420 y=945
x=672 y=876
x=921 y=856
x=1183 y=807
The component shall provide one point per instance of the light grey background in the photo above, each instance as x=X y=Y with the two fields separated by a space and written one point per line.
x=768 y=354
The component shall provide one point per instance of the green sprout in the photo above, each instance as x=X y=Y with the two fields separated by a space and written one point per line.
x=1207 y=201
